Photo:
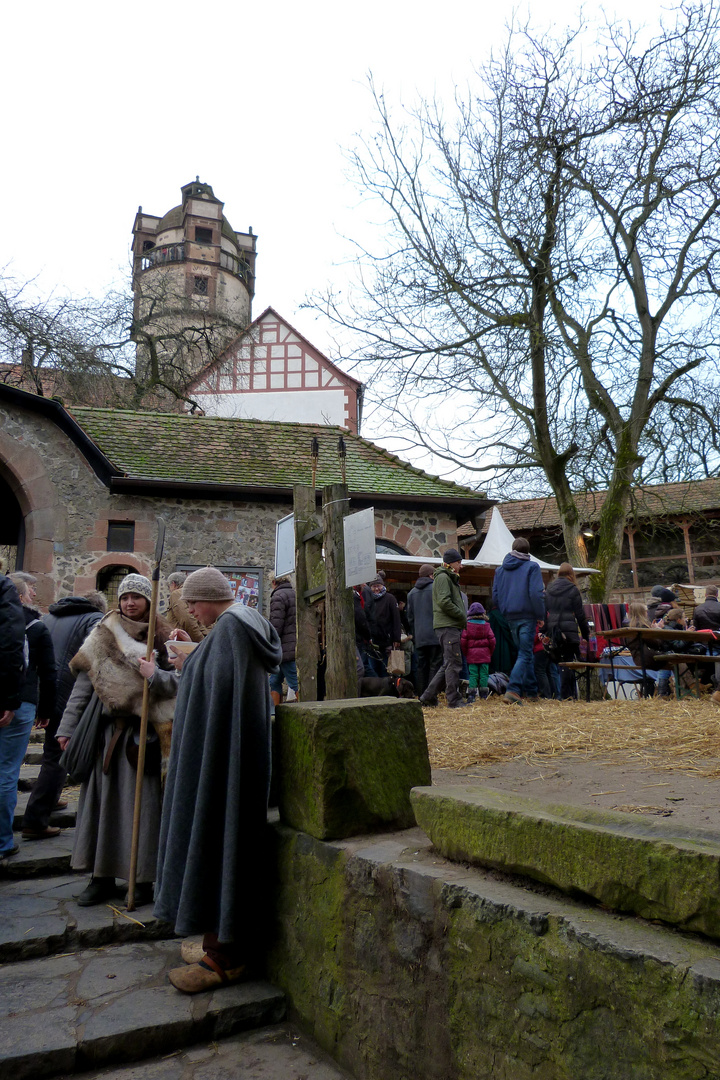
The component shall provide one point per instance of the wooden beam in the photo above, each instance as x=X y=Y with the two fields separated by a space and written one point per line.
x=341 y=674
x=309 y=575
x=688 y=551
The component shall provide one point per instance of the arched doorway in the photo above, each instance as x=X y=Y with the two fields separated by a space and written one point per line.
x=108 y=581
x=12 y=528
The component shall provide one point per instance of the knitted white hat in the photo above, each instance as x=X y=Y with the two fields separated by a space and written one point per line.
x=207 y=584
x=135 y=583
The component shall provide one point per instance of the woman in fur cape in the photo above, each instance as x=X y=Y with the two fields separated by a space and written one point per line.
x=107 y=672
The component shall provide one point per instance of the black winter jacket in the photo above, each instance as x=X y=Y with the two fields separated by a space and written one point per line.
x=707 y=615
x=69 y=622
x=12 y=645
x=420 y=613
x=384 y=619
x=282 y=617
x=565 y=609
x=41 y=674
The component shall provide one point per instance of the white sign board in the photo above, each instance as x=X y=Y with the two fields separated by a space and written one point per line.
x=285 y=546
x=359 y=537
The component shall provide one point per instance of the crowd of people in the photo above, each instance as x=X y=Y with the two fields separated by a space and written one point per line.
x=513 y=648
x=79 y=672
x=217 y=669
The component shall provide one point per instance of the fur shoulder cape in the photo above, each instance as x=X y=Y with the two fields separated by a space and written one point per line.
x=110 y=654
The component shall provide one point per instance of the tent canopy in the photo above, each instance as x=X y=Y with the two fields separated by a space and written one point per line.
x=498 y=542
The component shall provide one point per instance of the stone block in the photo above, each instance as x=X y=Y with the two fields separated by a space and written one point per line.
x=651 y=868
x=346 y=767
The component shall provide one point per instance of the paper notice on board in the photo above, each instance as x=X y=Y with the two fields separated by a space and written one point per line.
x=359 y=541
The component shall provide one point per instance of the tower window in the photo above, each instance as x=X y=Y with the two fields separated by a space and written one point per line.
x=203 y=236
x=201 y=286
x=148 y=244
x=121 y=536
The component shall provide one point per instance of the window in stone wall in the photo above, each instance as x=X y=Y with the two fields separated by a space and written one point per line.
x=203 y=236
x=121 y=536
x=387 y=547
x=201 y=285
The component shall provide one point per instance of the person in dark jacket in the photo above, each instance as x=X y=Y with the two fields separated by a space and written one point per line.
x=420 y=619
x=661 y=600
x=519 y=594
x=12 y=672
x=69 y=622
x=707 y=615
x=37 y=699
x=384 y=618
x=282 y=617
x=566 y=622
x=449 y=621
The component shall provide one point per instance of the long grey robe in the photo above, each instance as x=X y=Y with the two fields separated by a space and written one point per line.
x=215 y=807
x=103 y=834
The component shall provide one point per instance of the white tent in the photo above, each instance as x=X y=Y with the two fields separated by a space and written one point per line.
x=498 y=542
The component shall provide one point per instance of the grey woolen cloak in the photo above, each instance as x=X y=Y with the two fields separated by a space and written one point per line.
x=215 y=806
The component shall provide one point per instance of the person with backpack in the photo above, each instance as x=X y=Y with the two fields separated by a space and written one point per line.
x=519 y=594
x=37 y=699
x=449 y=621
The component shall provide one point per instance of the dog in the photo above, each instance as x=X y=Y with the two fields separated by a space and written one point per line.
x=390 y=686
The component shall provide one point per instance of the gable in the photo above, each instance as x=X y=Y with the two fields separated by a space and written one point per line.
x=272 y=372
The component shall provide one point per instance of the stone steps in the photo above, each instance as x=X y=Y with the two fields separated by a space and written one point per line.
x=64 y=818
x=81 y=1010
x=39 y=917
x=39 y=857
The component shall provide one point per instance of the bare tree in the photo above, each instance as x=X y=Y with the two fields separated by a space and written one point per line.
x=548 y=287
x=119 y=350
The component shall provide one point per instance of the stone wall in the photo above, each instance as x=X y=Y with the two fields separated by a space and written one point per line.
x=407 y=967
x=67 y=509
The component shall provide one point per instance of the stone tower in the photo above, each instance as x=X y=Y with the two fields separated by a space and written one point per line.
x=193 y=283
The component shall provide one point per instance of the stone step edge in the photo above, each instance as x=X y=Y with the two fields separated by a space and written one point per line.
x=630 y=866
x=267 y=1007
x=119 y=931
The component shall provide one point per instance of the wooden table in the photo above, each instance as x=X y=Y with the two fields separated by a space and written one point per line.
x=656 y=633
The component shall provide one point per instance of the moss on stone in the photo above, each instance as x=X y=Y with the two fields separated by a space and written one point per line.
x=347 y=767
x=631 y=865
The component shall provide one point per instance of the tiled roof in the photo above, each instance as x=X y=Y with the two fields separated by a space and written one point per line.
x=251 y=453
x=657 y=500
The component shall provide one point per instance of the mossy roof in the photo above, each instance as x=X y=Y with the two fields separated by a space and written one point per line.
x=252 y=453
x=656 y=500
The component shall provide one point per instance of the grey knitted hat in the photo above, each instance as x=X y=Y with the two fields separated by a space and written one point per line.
x=207 y=584
x=135 y=583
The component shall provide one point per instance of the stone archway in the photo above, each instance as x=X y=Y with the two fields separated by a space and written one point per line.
x=44 y=516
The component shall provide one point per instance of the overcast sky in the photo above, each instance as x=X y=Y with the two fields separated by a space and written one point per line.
x=108 y=106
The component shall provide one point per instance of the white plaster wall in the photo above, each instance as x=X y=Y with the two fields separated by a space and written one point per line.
x=297 y=406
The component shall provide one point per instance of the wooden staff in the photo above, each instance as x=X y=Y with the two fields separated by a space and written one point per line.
x=144 y=716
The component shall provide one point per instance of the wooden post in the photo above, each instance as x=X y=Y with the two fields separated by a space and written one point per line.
x=309 y=584
x=685 y=525
x=341 y=676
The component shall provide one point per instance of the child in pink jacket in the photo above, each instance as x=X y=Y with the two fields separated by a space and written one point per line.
x=478 y=643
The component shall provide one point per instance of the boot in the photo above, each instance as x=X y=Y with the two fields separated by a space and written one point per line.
x=471 y=695
x=276 y=698
x=483 y=693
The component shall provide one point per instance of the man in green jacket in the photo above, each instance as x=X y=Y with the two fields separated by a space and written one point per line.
x=449 y=621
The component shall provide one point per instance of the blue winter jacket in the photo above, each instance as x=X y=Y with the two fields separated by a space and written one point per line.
x=518 y=589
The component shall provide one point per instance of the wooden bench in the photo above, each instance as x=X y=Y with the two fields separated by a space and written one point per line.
x=674 y=660
x=587 y=666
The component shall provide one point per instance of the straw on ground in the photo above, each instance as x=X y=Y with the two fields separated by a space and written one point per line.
x=658 y=733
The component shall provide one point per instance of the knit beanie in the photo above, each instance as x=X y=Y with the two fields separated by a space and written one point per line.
x=451 y=556
x=135 y=583
x=476 y=609
x=207 y=584
x=426 y=570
